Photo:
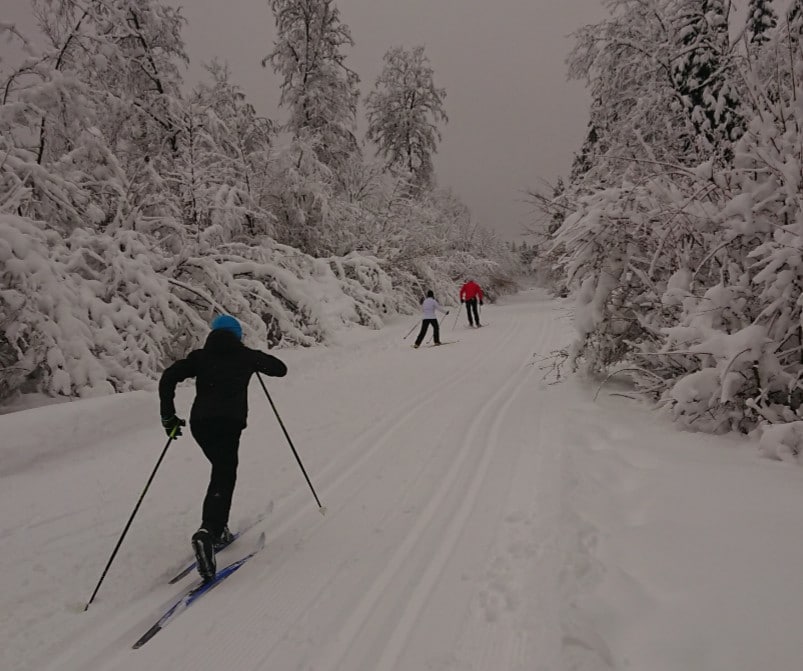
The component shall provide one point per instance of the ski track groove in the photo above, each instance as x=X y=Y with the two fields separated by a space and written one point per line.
x=393 y=425
x=533 y=641
x=340 y=643
x=332 y=475
x=419 y=598
x=365 y=446
x=501 y=643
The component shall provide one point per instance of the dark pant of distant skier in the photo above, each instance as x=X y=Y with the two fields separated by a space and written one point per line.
x=436 y=331
x=472 y=312
x=219 y=439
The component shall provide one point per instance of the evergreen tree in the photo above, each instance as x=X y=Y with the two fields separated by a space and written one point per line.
x=761 y=19
x=794 y=20
x=403 y=112
x=702 y=75
x=584 y=161
x=558 y=194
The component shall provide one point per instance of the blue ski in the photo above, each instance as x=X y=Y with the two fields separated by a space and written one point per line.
x=192 y=594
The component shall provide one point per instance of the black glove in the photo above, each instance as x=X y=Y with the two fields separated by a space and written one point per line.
x=480 y=302
x=172 y=426
x=462 y=301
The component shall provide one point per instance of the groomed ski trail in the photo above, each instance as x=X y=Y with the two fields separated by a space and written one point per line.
x=431 y=530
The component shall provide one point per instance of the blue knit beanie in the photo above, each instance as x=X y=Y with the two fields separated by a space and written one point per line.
x=227 y=323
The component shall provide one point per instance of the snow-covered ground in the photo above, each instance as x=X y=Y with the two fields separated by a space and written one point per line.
x=478 y=518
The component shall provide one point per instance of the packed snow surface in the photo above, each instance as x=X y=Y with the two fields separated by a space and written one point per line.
x=479 y=517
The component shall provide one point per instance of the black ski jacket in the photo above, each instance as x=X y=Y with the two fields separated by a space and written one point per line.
x=222 y=370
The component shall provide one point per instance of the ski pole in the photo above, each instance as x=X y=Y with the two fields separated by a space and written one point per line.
x=131 y=519
x=321 y=508
x=410 y=331
x=457 y=316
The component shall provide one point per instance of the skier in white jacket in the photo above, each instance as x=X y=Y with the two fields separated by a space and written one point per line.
x=428 y=308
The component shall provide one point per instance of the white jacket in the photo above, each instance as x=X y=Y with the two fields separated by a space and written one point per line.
x=429 y=306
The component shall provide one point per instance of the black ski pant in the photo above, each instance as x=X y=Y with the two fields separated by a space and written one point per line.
x=219 y=440
x=472 y=311
x=436 y=331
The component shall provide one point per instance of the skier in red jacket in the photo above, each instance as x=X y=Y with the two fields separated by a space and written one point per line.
x=470 y=294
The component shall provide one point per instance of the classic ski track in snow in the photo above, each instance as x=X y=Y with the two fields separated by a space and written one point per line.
x=288 y=607
x=495 y=409
x=290 y=513
x=444 y=514
x=472 y=438
x=297 y=506
x=494 y=627
x=414 y=532
x=365 y=446
x=479 y=519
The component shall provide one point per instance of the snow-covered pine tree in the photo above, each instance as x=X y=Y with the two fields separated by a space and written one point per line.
x=403 y=111
x=584 y=159
x=703 y=75
x=794 y=19
x=761 y=19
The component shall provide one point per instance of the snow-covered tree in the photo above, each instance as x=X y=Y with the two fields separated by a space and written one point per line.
x=404 y=111
x=703 y=74
x=761 y=19
x=626 y=61
x=223 y=153
x=245 y=142
x=128 y=52
x=317 y=86
x=131 y=212
x=794 y=18
x=88 y=109
x=584 y=159
x=686 y=266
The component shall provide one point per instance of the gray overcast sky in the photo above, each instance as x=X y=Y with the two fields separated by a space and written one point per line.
x=513 y=118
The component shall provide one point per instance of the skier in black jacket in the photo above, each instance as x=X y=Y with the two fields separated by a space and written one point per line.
x=222 y=370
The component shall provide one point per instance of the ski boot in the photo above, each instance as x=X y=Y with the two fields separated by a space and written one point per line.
x=204 y=550
x=225 y=538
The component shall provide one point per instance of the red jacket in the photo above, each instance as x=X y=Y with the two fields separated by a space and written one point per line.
x=470 y=290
